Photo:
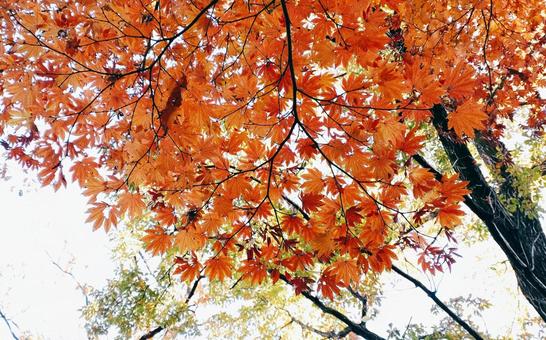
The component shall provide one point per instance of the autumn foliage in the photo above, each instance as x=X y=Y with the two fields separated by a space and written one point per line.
x=266 y=138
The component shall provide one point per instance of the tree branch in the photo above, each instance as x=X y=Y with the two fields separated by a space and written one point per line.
x=194 y=288
x=297 y=207
x=439 y=302
x=357 y=328
x=81 y=287
x=363 y=299
x=326 y=334
x=151 y=333
x=7 y=321
x=158 y=329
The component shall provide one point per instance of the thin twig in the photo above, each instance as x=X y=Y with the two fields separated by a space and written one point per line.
x=8 y=323
x=439 y=302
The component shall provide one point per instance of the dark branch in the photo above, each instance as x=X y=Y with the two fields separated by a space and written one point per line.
x=439 y=302
x=158 y=329
x=8 y=323
x=327 y=334
x=151 y=333
x=362 y=298
x=357 y=328
x=297 y=207
x=194 y=288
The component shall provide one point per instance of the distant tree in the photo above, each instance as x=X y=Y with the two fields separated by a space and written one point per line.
x=288 y=140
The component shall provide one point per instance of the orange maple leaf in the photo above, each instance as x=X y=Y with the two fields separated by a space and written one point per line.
x=188 y=269
x=345 y=271
x=292 y=224
x=466 y=118
x=423 y=181
x=84 y=169
x=189 y=239
x=311 y=201
x=453 y=189
x=157 y=241
x=450 y=216
x=218 y=268
x=459 y=81
x=253 y=271
x=328 y=285
x=132 y=204
x=313 y=181
x=101 y=214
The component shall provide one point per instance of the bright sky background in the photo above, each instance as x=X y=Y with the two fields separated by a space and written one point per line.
x=40 y=226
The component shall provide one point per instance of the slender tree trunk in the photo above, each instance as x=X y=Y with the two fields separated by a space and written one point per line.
x=518 y=233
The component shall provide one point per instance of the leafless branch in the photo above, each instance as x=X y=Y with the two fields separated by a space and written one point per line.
x=8 y=323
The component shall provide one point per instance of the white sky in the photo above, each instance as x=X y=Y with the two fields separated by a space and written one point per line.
x=38 y=224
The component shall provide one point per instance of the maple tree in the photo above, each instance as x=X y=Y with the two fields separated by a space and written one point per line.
x=286 y=140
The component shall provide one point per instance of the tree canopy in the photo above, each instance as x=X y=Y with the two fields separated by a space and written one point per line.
x=304 y=141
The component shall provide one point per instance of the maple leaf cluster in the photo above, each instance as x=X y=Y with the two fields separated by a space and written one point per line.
x=266 y=137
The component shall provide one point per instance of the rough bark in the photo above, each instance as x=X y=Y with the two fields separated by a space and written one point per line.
x=518 y=233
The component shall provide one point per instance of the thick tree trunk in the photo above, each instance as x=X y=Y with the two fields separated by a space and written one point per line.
x=518 y=233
